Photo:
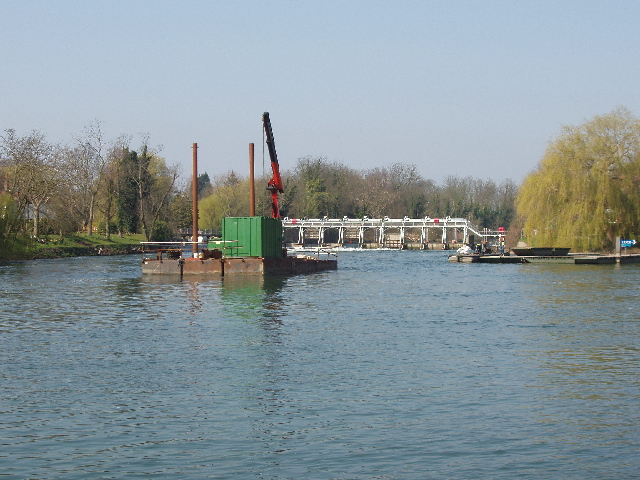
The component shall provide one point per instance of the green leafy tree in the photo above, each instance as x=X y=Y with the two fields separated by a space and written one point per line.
x=126 y=197
x=204 y=185
x=181 y=210
x=107 y=200
x=318 y=188
x=585 y=191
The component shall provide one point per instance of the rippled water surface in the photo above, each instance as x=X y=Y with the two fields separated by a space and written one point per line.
x=399 y=365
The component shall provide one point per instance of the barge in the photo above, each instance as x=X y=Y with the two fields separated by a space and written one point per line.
x=177 y=258
x=545 y=255
x=252 y=245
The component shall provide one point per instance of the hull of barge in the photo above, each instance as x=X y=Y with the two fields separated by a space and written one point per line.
x=218 y=267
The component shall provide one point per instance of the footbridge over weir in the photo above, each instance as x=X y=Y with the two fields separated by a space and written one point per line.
x=385 y=232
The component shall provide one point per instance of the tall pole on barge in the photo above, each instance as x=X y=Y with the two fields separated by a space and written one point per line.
x=252 y=184
x=194 y=203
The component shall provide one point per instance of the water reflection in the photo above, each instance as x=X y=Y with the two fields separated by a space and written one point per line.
x=253 y=297
x=259 y=300
x=583 y=363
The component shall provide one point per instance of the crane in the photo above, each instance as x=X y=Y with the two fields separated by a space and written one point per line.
x=275 y=184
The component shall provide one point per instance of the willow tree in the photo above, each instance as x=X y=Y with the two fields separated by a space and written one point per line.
x=585 y=190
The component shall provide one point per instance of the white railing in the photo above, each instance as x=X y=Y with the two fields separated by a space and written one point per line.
x=344 y=225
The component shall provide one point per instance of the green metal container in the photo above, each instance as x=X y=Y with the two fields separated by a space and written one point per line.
x=252 y=237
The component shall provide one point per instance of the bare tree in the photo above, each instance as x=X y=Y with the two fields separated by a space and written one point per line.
x=89 y=165
x=35 y=170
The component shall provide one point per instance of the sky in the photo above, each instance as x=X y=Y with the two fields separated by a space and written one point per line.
x=464 y=88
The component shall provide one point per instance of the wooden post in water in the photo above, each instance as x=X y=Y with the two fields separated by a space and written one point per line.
x=194 y=203
x=252 y=186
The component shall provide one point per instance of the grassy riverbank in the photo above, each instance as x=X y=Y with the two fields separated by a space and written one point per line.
x=79 y=245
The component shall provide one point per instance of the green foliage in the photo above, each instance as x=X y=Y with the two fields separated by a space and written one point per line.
x=204 y=185
x=9 y=216
x=317 y=188
x=317 y=199
x=143 y=191
x=210 y=212
x=229 y=198
x=161 y=232
x=181 y=210
x=126 y=198
x=157 y=191
x=585 y=191
x=10 y=223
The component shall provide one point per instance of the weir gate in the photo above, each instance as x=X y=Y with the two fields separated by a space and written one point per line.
x=385 y=232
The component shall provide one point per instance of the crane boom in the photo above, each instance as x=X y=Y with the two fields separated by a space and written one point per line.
x=275 y=184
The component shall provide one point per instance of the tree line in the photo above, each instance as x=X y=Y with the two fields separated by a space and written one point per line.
x=95 y=185
x=317 y=187
x=91 y=184
x=583 y=193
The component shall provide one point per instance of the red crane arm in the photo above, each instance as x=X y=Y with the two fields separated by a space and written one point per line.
x=275 y=184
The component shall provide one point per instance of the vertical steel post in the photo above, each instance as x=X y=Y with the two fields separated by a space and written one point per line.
x=252 y=185
x=194 y=203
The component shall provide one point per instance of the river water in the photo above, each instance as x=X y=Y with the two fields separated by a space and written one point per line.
x=399 y=365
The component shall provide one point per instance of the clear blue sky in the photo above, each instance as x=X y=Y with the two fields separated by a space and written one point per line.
x=456 y=87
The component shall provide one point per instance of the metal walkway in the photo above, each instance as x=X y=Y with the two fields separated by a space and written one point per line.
x=443 y=230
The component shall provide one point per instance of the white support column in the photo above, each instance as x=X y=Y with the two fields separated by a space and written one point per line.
x=301 y=235
x=341 y=235
x=381 y=236
x=444 y=234
x=321 y=236
x=361 y=237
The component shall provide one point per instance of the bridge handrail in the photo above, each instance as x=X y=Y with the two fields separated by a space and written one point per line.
x=383 y=222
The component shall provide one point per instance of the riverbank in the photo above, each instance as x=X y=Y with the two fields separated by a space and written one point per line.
x=76 y=246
